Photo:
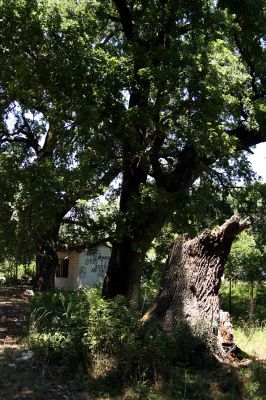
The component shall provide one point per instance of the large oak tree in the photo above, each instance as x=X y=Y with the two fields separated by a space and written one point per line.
x=174 y=89
x=51 y=142
x=196 y=101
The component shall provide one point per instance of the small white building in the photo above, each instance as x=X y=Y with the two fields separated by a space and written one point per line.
x=83 y=268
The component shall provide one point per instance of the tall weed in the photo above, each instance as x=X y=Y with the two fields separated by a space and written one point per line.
x=71 y=326
x=251 y=338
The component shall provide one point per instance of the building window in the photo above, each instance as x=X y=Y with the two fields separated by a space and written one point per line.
x=62 y=268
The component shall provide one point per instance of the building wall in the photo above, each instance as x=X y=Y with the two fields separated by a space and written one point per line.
x=69 y=283
x=86 y=269
x=93 y=266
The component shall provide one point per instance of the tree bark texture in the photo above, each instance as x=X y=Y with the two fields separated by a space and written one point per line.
x=190 y=286
x=46 y=261
x=124 y=272
x=124 y=269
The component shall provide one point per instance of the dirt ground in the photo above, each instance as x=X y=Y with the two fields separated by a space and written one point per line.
x=27 y=379
x=13 y=312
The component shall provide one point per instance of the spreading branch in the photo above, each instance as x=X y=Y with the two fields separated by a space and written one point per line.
x=124 y=12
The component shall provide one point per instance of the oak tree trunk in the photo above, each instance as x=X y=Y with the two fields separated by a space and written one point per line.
x=46 y=264
x=190 y=288
x=126 y=262
x=124 y=272
x=124 y=268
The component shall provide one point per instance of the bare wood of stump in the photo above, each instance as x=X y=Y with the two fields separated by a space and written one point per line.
x=190 y=286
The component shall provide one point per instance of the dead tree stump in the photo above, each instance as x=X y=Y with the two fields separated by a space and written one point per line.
x=190 y=287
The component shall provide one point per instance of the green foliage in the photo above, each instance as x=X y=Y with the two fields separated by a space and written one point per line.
x=250 y=200
x=17 y=273
x=65 y=63
x=72 y=327
x=49 y=97
x=127 y=361
x=246 y=260
x=81 y=327
x=240 y=298
x=111 y=325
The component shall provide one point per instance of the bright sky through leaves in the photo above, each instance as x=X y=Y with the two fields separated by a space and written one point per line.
x=258 y=160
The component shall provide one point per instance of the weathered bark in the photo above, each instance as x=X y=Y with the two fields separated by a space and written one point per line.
x=124 y=272
x=190 y=287
x=47 y=259
x=46 y=263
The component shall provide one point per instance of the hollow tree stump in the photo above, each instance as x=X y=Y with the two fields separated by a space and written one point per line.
x=190 y=286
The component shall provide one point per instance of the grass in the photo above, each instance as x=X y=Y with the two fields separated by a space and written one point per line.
x=252 y=339
x=34 y=381
x=250 y=335
x=147 y=369
x=240 y=301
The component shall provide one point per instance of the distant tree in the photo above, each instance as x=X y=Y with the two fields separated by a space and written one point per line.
x=247 y=262
x=251 y=200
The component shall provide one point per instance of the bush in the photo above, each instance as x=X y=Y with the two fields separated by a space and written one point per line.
x=126 y=357
x=111 y=325
x=55 y=326
x=71 y=326
x=83 y=328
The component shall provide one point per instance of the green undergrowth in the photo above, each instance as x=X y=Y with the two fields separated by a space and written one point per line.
x=120 y=359
x=250 y=333
x=240 y=301
x=251 y=338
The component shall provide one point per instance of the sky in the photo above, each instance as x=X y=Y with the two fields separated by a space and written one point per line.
x=258 y=160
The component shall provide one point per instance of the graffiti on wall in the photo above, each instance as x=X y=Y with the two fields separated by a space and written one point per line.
x=93 y=266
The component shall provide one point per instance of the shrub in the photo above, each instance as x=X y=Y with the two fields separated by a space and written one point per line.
x=56 y=326
x=71 y=326
x=83 y=327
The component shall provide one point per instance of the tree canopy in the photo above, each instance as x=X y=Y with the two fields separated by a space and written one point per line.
x=49 y=150
x=170 y=94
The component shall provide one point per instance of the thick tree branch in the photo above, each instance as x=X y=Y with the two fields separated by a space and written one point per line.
x=187 y=168
x=33 y=141
x=12 y=139
x=247 y=138
x=28 y=137
x=47 y=149
x=124 y=12
x=248 y=62
x=189 y=164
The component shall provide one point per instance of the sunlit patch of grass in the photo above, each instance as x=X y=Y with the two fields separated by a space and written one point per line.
x=251 y=338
